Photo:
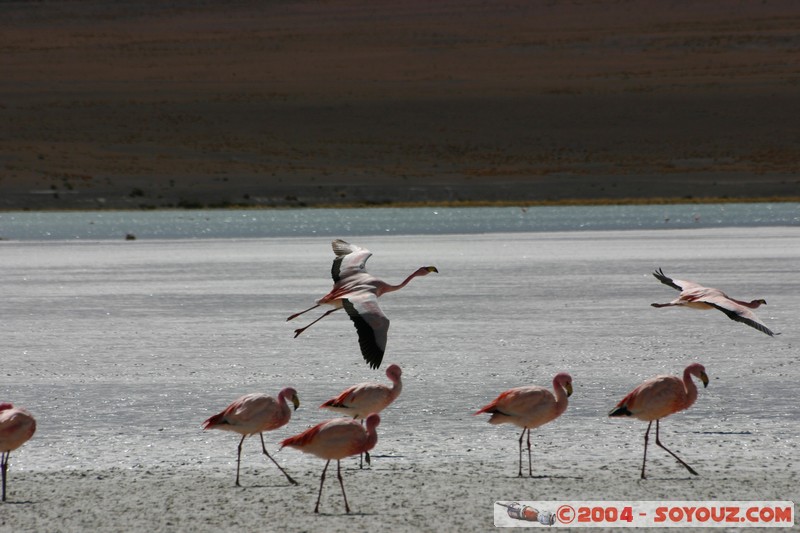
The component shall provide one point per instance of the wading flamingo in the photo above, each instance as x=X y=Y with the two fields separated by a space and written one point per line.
x=659 y=397
x=255 y=413
x=17 y=426
x=530 y=407
x=357 y=292
x=699 y=297
x=360 y=400
x=336 y=439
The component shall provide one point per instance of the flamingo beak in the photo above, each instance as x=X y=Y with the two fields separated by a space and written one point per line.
x=704 y=379
x=568 y=386
x=432 y=269
x=295 y=401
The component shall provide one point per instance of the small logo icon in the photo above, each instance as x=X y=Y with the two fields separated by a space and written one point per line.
x=528 y=513
x=565 y=514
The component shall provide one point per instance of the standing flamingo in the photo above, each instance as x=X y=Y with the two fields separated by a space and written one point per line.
x=360 y=400
x=357 y=292
x=659 y=397
x=699 y=297
x=336 y=439
x=255 y=413
x=530 y=407
x=17 y=426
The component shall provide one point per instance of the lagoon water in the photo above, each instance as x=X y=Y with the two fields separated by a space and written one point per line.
x=122 y=348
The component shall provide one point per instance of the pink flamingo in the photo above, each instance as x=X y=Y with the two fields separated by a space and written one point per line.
x=255 y=413
x=17 y=426
x=357 y=292
x=336 y=439
x=360 y=400
x=699 y=297
x=659 y=397
x=530 y=407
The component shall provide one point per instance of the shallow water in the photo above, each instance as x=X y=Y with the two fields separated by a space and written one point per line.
x=121 y=349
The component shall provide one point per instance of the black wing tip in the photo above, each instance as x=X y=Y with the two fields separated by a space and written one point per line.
x=620 y=410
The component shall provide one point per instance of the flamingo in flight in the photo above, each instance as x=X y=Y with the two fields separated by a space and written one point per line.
x=256 y=413
x=17 y=426
x=336 y=439
x=699 y=297
x=530 y=407
x=659 y=397
x=360 y=400
x=357 y=292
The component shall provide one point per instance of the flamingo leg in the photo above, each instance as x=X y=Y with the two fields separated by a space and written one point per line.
x=239 y=459
x=520 y=451
x=298 y=331
x=646 y=435
x=689 y=468
x=301 y=312
x=264 y=449
x=341 y=484
x=530 y=471
x=4 y=467
x=321 y=481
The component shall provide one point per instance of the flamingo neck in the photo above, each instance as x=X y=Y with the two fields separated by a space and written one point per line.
x=372 y=434
x=391 y=288
x=755 y=304
x=561 y=396
x=691 y=388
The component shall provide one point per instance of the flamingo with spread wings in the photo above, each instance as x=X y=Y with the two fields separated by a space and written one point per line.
x=357 y=292
x=698 y=297
x=659 y=397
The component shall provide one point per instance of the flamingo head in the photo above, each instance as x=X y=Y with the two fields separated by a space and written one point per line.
x=758 y=303
x=394 y=373
x=564 y=381
x=699 y=371
x=423 y=271
x=291 y=394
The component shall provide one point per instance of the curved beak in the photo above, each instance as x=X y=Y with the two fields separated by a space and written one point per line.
x=295 y=401
x=704 y=379
x=568 y=386
x=432 y=269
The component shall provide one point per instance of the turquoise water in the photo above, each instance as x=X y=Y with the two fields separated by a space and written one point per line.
x=232 y=224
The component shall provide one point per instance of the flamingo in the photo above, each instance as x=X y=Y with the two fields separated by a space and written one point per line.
x=360 y=400
x=17 y=426
x=357 y=292
x=530 y=407
x=255 y=413
x=699 y=297
x=659 y=397
x=336 y=439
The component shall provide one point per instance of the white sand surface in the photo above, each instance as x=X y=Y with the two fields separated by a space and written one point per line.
x=122 y=349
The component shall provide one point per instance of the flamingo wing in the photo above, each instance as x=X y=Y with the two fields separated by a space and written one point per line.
x=350 y=259
x=739 y=313
x=676 y=284
x=371 y=324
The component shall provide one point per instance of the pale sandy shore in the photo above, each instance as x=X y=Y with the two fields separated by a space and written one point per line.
x=194 y=103
x=453 y=496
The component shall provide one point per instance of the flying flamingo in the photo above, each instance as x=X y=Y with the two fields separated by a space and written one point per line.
x=659 y=397
x=17 y=426
x=530 y=407
x=336 y=439
x=357 y=292
x=699 y=297
x=255 y=413
x=360 y=400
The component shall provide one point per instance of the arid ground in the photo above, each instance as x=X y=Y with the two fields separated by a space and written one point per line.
x=195 y=103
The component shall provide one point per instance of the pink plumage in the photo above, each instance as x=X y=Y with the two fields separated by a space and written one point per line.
x=336 y=439
x=530 y=407
x=255 y=413
x=17 y=426
x=360 y=400
x=659 y=397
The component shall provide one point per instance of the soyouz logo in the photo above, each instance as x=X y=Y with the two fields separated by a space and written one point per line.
x=644 y=514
